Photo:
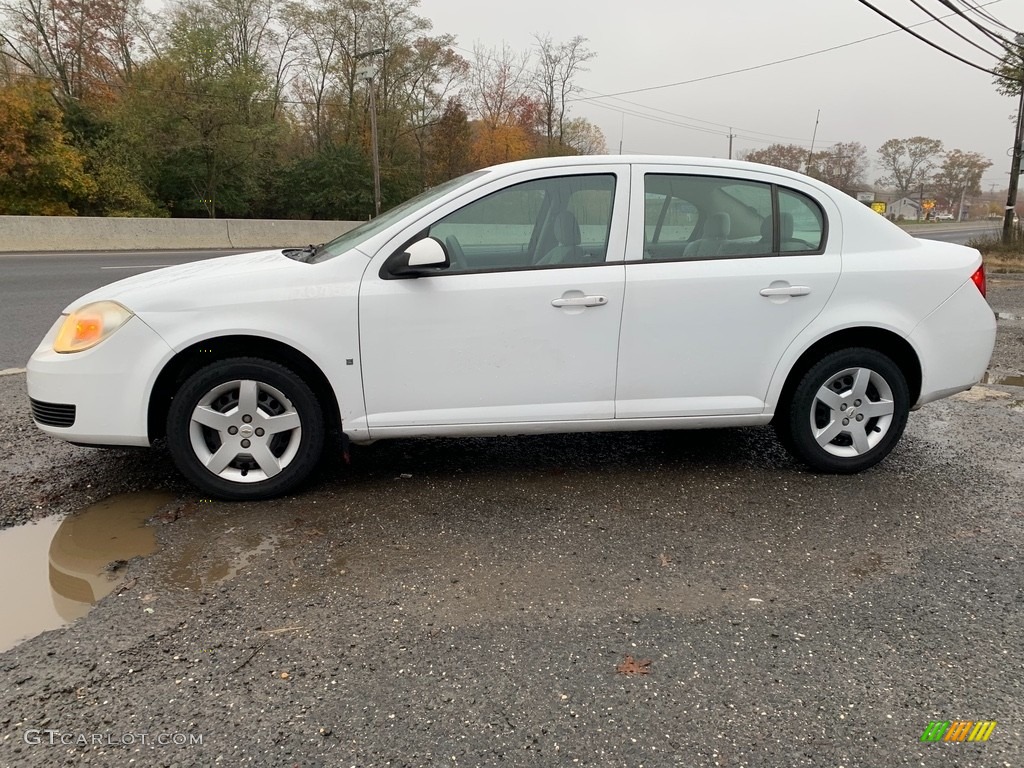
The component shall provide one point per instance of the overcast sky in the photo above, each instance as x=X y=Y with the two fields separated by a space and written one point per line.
x=890 y=87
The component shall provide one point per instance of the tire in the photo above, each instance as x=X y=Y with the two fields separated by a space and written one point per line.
x=245 y=428
x=847 y=412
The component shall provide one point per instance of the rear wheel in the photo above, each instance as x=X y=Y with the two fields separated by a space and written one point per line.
x=847 y=413
x=245 y=429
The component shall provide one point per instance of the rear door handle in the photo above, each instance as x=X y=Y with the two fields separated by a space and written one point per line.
x=787 y=290
x=580 y=301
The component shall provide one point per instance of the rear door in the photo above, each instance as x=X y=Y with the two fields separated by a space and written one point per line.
x=723 y=271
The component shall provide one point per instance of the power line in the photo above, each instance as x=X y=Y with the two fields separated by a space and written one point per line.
x=761 y=66
x=959 y=34
x=924 y=39
x=997 y=38
x=980 y=11
x=697 y=119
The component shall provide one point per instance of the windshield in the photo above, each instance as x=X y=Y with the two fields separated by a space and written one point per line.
x=368 y=229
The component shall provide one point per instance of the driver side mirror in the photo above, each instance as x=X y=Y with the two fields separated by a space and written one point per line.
x=423 y=257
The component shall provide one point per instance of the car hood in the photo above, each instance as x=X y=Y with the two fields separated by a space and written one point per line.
x=202 y=283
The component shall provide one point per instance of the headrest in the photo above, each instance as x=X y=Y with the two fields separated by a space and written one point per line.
x=786 y=226
x=567 y=230
x=719 y=225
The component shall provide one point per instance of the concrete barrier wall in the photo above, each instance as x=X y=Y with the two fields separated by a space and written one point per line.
x=86 y=233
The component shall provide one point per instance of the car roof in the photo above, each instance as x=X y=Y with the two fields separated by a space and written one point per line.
x=681 y=160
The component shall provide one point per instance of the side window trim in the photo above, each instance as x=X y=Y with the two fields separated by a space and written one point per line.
x=823 y=243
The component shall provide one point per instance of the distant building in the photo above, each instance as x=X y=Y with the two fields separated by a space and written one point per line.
x=906 y=208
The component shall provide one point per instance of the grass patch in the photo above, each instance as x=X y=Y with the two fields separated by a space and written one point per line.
x=1000 y=256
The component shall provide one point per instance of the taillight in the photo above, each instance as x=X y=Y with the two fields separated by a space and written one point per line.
x=979 y=278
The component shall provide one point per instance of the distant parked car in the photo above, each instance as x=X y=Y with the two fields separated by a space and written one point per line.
x=553 y=295
x=944 y=217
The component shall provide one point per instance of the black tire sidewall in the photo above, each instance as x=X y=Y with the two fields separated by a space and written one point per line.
x=797 y=435
x=267 y=372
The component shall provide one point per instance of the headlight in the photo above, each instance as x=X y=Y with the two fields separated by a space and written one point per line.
x=89 y=325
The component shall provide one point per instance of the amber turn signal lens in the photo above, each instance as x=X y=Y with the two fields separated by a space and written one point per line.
x=89 y=325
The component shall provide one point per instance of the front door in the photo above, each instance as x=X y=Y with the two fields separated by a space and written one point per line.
x=522 y=327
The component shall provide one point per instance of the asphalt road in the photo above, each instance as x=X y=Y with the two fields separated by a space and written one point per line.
x=961 y=233
x=36 y=287
x=473 y=602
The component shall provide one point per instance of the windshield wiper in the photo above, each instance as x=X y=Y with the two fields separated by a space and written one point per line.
x=304 y=255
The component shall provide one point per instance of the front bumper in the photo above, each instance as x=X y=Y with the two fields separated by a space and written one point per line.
x=106 y=388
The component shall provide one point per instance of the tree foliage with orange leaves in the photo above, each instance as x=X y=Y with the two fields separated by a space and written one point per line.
x=40 y=173
x=231 y=107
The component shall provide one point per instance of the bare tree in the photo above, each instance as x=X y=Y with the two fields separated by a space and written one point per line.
x=499 y=80
x=791 y=156
x=843 y=165
x=555 y=79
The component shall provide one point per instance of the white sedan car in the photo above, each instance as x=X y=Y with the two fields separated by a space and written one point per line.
x=554 y=295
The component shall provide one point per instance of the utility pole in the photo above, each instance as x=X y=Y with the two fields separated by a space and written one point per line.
x=814 y=136
x=367 y=73
x=731 y=137
x=1018 y=147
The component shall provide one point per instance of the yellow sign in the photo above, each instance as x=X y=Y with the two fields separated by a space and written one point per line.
x=879 y=207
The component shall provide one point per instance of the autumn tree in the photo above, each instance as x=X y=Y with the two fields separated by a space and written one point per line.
x=960 y=175
x=79 y=45
x=908 y=163
x=790 y=156
x=843 y=165
x=582 y=137
x=40 y=172
x=450 y=144
x=212 y=131
x=499 y=92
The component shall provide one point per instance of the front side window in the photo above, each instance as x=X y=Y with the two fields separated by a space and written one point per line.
x=554 y=222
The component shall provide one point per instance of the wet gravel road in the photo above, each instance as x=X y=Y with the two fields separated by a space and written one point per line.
x=468 y=602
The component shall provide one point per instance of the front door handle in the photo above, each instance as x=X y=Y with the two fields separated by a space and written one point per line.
x=580 y=301
x=786 y=290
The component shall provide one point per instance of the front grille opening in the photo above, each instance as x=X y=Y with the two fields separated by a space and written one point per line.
x=52 y=414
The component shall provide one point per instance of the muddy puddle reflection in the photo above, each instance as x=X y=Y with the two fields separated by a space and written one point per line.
x=55 y=570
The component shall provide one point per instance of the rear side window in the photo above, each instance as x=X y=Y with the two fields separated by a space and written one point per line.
x=706 y=217
x=801 y=223
x=690 y=217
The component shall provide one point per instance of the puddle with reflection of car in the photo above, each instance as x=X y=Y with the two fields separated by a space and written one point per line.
x=57 y=569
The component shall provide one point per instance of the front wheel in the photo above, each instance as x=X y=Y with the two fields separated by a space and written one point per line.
x=847 y=413
x=245 y=428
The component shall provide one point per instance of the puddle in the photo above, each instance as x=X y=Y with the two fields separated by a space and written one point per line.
x=213 y=561
x=55 y=570
x=1006 y=381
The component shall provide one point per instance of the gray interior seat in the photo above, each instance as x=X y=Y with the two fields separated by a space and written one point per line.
x=567 y=235
x=716 y=233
